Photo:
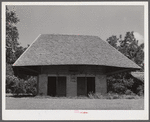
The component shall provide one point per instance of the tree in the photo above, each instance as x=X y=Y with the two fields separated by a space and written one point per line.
x=13 y=52
x=128 y=46
x=19 y=51
x=12 y=35
x=13 y=48
x=113 y=41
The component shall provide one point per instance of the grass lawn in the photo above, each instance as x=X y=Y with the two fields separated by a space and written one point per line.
x=31 y=103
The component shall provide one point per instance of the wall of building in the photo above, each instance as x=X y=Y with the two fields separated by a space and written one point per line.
x=101 y=84
x=71 y=72
x=42 y=84
x=71 y=87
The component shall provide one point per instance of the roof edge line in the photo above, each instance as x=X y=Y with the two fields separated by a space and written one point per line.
x=26 y=50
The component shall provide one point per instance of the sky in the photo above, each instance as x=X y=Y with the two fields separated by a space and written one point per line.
x=96 y=20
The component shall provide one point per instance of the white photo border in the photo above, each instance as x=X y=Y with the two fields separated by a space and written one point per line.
x=70 y=114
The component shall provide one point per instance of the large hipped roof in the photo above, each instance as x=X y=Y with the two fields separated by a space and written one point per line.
x=56 y=49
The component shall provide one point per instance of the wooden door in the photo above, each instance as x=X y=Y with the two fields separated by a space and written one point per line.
x=51 y=86
x=61 y=86
x=90 y=85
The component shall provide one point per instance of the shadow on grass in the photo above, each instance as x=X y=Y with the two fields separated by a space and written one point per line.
x=20 y=95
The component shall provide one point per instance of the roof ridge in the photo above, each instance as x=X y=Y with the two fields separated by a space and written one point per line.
x=70 y=35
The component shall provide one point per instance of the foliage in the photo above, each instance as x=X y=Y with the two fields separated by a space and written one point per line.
x=123 y=83
x=12 y=35
x=129 y=47
x=20 y=86
x=128 y=92
x=30 y=86
x=13 y=52
x=9 y=70
x=13 y=48
x=119 y=88
x=113 y=41
x=19 y=51
x=119 y=83
x=112 y=95
x=140 y=90
x=11 y=81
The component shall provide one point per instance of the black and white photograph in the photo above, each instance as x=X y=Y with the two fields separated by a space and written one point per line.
x=75 y=61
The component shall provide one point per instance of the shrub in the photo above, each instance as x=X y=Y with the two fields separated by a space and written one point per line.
x=11 y=81
x=140 y=90
x=130 y=96
x=124 y=84
x=128 y=92
x=20 y=86
x=99 y=96
x=30 y=86
x=112 y=96
x=128 y=83
x=116 y=96
x=104 y=96
x=119 y=88
x=91 y=95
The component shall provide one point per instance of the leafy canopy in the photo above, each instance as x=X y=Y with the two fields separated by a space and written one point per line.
x=13 y=48
x=129 y=47
x=124 y=83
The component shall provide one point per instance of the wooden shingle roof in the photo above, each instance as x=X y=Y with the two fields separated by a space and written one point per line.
x=55 y=49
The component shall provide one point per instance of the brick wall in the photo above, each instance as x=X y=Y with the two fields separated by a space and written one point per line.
x=42 y=84
x=100 y=84
x=71 y=88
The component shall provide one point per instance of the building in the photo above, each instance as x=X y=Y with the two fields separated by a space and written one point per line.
x=138 y=75
x=72 y=65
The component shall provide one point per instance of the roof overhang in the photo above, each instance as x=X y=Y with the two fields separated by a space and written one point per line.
x=110 y=70
x=138 y=75
x=35 y=70
x=27 y=70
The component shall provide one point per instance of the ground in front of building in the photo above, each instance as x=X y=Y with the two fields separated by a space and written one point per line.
x=73 y=104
